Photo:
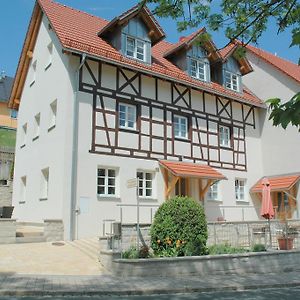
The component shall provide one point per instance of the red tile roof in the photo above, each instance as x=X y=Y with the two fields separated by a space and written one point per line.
x=77 y=31
x=185 y=169
x=277 y=183
x=285 y=66
x=227 y=50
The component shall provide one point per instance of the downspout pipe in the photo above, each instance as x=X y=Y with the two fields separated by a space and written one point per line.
x=75 y=152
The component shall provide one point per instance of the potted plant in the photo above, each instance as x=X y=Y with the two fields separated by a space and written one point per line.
x=285 y=237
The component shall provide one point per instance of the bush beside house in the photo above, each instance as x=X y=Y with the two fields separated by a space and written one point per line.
x=179 y=228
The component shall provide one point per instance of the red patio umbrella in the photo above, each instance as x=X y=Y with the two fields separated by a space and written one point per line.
x=267 y=210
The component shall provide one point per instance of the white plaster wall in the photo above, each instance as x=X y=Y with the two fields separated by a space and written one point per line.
x=93 y=210
x=52 y=149
x=280 y=147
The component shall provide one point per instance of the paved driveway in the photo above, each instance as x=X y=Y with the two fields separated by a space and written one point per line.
x=48 y=259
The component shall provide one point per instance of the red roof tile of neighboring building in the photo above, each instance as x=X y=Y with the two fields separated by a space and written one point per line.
x=185 y=169
x=78 y=31
x=277 y=183
x=285 y=66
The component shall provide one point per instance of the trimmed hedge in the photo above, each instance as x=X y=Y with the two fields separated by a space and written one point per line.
x=179 y=228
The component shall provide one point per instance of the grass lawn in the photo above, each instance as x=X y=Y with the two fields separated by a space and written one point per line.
x=7 y=137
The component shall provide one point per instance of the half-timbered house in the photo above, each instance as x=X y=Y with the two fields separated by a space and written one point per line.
x=102 y=102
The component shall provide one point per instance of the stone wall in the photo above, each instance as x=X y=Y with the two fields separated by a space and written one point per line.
x=53 y=230
x=6 y=194
x=7 y=231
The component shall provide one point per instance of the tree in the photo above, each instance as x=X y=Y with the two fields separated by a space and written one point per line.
x=245 y=20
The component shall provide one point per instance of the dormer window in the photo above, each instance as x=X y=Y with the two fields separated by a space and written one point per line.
x=135 y=48
x=199 y=69
x=232 y=81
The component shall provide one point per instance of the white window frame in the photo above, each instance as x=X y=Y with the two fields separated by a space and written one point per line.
x=213 y=193
x=23 y=184
x=240 y=189
x=135 y=48
x=198 y=74
x=106 y=178
x=37 y=123
x=225 y=136
x=231 y=81
x=52 y=114
x=182 y=120
x=44 y=184
x=127 y=120
x=50 y=56
x=33 y=72
x=144 y=187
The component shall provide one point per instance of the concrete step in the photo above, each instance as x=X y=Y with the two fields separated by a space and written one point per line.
x=32 y=239
x=89 y=247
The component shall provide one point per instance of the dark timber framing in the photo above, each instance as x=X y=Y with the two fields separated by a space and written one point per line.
x=201 y=149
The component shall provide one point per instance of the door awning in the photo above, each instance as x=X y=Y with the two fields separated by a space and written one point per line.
x=277 y=183
x=186 y=169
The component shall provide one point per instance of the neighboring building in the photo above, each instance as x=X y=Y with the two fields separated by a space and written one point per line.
x=8 y=125
x=101 y=103
x=8 y=117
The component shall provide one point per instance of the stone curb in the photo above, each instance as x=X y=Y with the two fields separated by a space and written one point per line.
x=146 y=291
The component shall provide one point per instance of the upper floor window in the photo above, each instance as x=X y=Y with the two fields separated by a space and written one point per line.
x=199 y=69
x=50 y=54
x=240 y=189
x=52 y=117
x=180 y=127
x=232 y=81
x=145 y=184
x=224 y=136
x=213 y=192
x=33 y=72
x=127 y=116
x=135 y=48
x=14 y=114
x=37 y=120
x=106 y=183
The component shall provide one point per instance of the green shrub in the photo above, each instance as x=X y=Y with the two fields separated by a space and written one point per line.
x=179 y=228
x=133 y=253
x=259 y=248
x=225 y=249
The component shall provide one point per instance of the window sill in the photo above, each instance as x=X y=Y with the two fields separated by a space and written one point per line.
x=214 y=200
x=182 y=139
x=35 y=138
x=226 y=147
x=51 y=128
x=48 y=66
x=242 y=201
x=148 y=199
x=43 y=199
x=108 y=198
x=131 y=130
x=137 y=59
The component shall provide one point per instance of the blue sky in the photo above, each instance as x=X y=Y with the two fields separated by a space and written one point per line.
x=15 y=16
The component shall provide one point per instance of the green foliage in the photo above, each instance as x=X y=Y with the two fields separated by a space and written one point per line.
x=133 y=253
x=7 y=137
x=258 y=248
x=179 y=228
x=225 y=249
x=239 y=53
x=287 y=113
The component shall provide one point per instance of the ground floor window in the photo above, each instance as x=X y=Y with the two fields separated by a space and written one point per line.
x=106 y=185
x=213 y=192
x=145 y=181
x=240 y=189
